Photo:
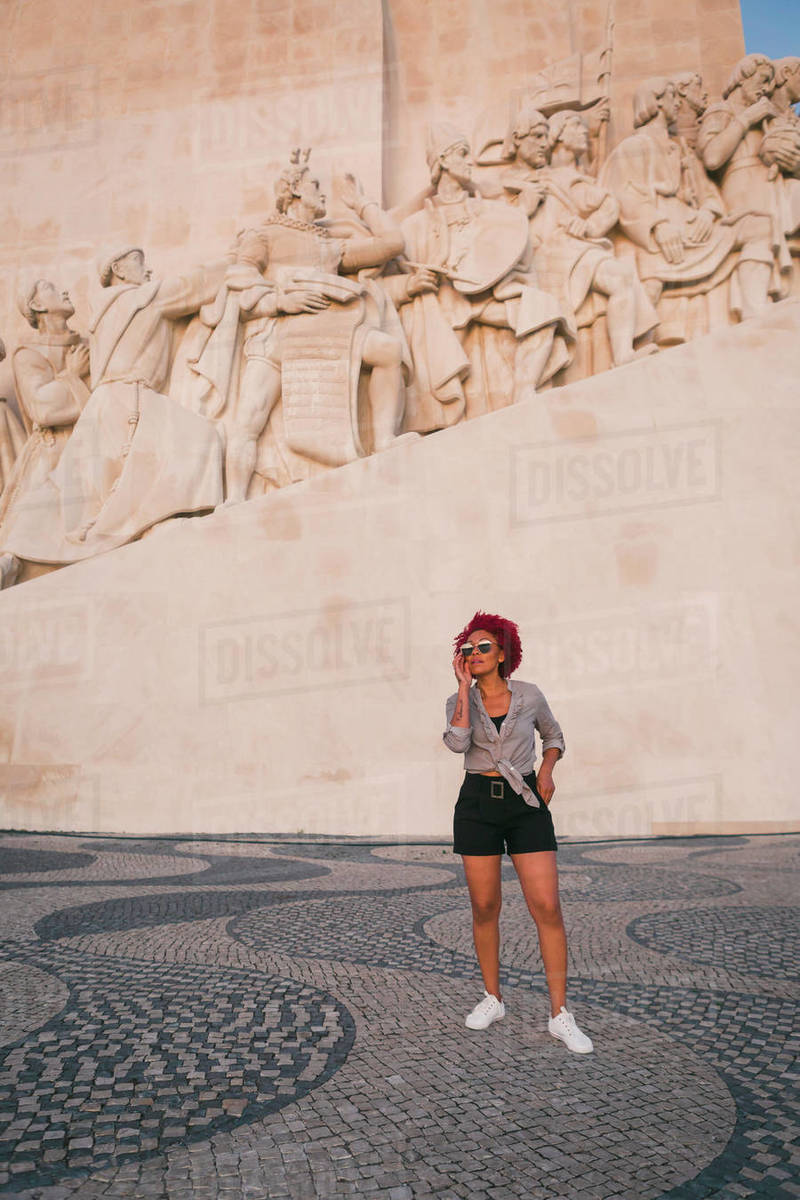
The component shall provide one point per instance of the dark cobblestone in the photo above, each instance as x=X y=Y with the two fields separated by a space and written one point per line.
x=16 y=860
x=289 y=1023
x=220 y=870
x=733 y=937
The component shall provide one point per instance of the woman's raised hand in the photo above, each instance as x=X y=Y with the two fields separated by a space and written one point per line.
x=462 y=668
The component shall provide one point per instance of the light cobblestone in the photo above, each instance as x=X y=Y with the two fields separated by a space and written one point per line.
x=285 y=1020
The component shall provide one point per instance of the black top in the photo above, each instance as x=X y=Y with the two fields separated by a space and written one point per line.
x=497 y=721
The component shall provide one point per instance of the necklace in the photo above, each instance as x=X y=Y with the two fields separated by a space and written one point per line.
x=295 y=223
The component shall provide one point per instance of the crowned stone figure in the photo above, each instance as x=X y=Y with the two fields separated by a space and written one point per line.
x=290 y=331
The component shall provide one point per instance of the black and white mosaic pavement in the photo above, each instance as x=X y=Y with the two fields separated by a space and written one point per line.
x=267 y=1018
x=758 y=941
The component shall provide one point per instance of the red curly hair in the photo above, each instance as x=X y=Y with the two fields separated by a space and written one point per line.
x=505 y=633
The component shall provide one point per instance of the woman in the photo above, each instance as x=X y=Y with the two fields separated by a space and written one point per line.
x=502 y=804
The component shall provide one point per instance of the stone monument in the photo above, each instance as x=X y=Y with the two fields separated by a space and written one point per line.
x=377 y=399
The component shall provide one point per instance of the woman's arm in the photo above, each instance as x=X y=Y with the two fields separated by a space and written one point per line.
x=460 y=715
x=553 y=747
x=544 y=776
x=458 y=735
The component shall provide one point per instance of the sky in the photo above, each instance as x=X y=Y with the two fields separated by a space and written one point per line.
x=771 y=27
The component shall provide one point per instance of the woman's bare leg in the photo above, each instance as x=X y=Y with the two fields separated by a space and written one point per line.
x=483 y=881
x=538 y=876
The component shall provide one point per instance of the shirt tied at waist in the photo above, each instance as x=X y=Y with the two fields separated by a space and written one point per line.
x=516 y=782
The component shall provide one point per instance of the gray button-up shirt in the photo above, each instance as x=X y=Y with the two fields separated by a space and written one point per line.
x=512 y=751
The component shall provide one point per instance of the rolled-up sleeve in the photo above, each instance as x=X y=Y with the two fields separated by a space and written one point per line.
x=455 y=737
x=549 y=728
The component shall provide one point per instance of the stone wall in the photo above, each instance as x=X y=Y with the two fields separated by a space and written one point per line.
x=282 y=665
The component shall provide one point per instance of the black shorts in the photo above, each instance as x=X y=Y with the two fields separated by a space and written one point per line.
x=490 y=816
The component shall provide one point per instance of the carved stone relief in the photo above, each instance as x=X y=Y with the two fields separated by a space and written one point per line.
x=12 y=434
x=317 y=340
x=279 y=355
x=570 y=216
x=134 y=457
x=731 y=142
x=687 y=241
x=51 y=375
x=482 y=332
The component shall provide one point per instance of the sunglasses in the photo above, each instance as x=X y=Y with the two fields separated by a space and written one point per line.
x=482 y=648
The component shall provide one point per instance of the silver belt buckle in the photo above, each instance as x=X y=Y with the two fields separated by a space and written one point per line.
x=496 y=789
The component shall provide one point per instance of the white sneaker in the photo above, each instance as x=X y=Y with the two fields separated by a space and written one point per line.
x=485 y=1011
x=563 y=1027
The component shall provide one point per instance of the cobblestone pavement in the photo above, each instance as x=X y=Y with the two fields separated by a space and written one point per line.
x=273 y=1018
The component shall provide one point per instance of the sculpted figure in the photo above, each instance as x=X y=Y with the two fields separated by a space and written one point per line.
x=786 y=94
x=692 y=103
x=307 y=330
x=780 y=150
x=674 y=216
x=731 y=142
x=51 y=373
x=570 y=216
x=12 y=435
x=135 y=457
x=471 y=274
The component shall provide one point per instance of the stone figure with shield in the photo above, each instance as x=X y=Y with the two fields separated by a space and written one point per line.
x=296 y=336
x=482 y=333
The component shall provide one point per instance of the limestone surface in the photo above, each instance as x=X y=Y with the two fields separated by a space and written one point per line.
x=282 y=665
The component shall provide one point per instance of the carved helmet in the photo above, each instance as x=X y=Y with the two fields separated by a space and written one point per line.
x=105 y=267
x=442 y=136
